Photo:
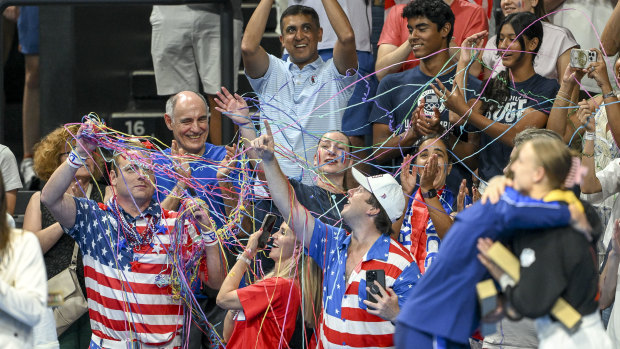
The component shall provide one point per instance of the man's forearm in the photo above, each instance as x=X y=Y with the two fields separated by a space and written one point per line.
x=609 y=280
x=53 y=195
x=339 y=21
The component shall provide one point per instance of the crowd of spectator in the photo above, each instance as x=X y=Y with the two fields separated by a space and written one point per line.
x=459 y=190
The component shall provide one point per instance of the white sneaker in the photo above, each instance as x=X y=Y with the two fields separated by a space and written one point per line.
x=27 y=171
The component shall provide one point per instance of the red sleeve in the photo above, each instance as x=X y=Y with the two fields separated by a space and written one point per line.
x=255 y=298
x=392 y=32
x=477 y=22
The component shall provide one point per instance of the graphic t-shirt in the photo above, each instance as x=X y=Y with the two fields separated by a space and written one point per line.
x=537 y=93
x=399 y=94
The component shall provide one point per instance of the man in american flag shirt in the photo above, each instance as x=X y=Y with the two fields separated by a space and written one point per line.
x=348 y=319
x=127 y=246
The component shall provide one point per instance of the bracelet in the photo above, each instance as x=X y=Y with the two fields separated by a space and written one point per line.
x=564 y=93
x=241 y=257
x=75 y=160
x=588 y=155
x=609 y=94
x=210 y=238
x=589 y=136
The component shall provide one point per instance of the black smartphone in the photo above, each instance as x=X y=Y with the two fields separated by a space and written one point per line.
x=372 y=276
x=268 y=223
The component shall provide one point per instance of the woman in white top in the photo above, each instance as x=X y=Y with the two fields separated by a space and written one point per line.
x=554 y=53
x=23 y=283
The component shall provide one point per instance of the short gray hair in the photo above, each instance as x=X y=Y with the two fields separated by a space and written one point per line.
x=171 y=103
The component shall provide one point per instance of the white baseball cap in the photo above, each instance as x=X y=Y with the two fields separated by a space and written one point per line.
x=387 y=191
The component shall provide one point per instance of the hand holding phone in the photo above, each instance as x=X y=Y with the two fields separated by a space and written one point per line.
x=268 y=222
x=372 y=276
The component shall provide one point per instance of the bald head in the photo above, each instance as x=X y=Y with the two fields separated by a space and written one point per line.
x=182 y=96
x=187 y=117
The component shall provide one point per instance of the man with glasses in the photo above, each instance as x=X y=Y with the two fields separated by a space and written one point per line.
x=129 y=245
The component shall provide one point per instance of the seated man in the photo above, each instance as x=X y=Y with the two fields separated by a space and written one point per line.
x=348 y=319
x=127 y=246
x=431 y=26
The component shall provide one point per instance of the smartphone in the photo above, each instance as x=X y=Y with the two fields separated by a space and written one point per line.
x=371 y=276
x=268 y=222
x=581 y=58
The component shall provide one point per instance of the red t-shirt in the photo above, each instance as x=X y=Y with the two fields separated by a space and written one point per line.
x=469 y=19
x=260 y=325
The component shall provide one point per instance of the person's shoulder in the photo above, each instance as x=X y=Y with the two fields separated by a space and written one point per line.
x=468 y=6
x=401 y=77
x=554 y=29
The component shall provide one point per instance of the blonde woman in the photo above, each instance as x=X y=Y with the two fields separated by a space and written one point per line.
x=267 y=310
x=23 y=286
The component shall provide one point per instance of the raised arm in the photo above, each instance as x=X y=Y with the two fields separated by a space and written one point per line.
x=590 y=183
x=564 y=100
x=182 y=168
x=281 y=191
x=255 y=58
x=53 y=195
x=598 y=72
x=345 y=56
x=390 y=58
x=610 y=38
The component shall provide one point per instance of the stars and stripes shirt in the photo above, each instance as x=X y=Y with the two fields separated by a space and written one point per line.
x=124 y=299
x=346 y=321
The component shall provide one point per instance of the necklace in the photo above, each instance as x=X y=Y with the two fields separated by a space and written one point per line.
x=132 y=236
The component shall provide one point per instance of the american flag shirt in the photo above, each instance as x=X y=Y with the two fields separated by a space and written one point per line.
x=124 y=299
x=345 y=319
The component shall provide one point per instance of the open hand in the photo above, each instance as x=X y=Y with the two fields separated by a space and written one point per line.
x=408 y=175
x=234 y=107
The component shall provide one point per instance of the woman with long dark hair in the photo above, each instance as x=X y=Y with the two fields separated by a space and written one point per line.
x=516 y=99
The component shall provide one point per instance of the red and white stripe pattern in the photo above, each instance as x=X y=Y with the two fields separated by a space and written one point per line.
x=124 y=300
x=345 y=319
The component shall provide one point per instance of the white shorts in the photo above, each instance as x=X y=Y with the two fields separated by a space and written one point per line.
x=185 y=46
x=590 y=334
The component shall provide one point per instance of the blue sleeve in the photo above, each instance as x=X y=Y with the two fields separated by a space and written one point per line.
x=522 y=212
x=405 y=283
x=382 y=106
x=473 y=88
x=324 y=238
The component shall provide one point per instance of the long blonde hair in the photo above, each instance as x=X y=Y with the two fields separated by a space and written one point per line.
x=309 y=277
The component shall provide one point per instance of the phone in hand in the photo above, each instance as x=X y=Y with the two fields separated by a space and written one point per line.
x=582 y=58
x=372 y=276
x=268 y=222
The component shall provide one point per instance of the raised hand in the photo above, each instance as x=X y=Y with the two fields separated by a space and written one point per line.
x=471 y=46
x=233 y=107
x=431 y=174
x=460 y=198
x=429 y=124
x=586 y=117
x=453 y=100
x=408 y=175
x=483 y=245
x=264 y=145
x=598 y=71
x=225 y=166
x=181 y=161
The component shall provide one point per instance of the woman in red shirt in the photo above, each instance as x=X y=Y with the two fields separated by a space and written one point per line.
x=266 y=311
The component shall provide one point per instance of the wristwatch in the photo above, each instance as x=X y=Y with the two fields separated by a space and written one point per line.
x=430 y=194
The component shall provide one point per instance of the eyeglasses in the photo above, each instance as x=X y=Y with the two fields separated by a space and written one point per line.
x=134 y=168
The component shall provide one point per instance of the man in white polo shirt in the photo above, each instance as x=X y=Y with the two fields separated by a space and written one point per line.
x=302 y=97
